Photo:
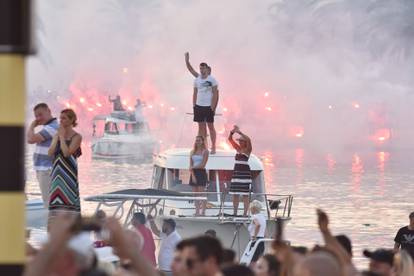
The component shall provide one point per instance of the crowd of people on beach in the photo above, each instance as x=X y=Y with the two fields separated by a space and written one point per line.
x=68 y=252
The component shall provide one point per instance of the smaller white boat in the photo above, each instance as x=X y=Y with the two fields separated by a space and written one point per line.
x=125 y=134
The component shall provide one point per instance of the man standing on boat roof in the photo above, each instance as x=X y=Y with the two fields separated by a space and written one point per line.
x=117 y=104
x=205 y=100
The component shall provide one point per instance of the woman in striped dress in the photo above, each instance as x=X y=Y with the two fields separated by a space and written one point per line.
x=65 y=149
x=241 y=180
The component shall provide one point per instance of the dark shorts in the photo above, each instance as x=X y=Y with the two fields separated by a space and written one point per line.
x=203 y=114
x=201 y=178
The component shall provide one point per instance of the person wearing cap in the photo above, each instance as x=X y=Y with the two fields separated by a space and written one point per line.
x=381 y=261
x=148 y=250
x=405 y=236
x=241 y=180
x=169 y=240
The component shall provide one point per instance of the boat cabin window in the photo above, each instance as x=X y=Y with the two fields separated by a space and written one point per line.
x=158 y=178
x=179 y=179
x=134 y=128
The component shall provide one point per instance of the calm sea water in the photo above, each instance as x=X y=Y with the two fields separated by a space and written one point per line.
x=367 y=195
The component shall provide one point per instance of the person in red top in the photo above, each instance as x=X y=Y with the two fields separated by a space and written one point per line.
x=148 y=250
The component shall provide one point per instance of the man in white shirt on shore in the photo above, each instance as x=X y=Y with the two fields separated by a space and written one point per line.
x=169 y=239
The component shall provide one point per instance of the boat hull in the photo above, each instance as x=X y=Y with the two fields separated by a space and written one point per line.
x=142 y=147
x=232 y=232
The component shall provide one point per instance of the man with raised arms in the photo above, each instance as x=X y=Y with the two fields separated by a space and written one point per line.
x=205 y=100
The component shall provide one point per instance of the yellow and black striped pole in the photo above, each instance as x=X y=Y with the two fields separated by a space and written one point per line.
x=15 y=17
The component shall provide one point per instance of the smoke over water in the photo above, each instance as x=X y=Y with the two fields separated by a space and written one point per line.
x=325 y=75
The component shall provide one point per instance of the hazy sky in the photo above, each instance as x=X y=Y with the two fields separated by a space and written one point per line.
x=335 y=71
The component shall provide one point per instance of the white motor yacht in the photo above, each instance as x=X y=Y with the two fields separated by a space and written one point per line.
x=170 y=196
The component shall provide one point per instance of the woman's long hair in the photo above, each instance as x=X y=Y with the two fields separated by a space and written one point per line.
x=195 y=144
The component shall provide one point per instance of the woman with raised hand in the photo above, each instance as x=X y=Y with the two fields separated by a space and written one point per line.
x=198 y=178
x=65 y=149
x=241 y=180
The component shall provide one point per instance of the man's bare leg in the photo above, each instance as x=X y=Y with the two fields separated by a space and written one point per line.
x=236 y=199
x=202 y=129
x=246 y=204
x=212 y=131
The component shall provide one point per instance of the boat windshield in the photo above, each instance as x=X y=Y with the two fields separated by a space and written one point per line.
x=218 y=181
x=134 y=128
x=111 y=128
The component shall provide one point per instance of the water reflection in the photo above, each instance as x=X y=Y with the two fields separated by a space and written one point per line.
x=330 y=163
x=299 y=157
x=268 y=164
x=357 y=170
x=382 y=159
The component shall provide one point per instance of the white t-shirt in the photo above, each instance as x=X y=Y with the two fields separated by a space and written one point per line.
x=261 y=219
x=167 y=248
x=204 y=90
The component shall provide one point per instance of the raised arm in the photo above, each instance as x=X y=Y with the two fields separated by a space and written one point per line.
x=52 y=148
x=124 y=243
x=247 y=138
x=330 y=241
x=232 y=142
x=32 y=137
x=153 y=226
x=189 y=67
x=73 y=146
x=60 y=233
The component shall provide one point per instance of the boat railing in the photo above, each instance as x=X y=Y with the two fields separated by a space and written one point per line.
x=275 y=205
